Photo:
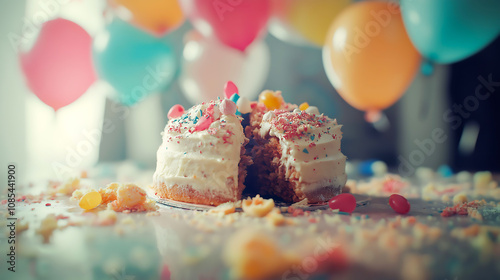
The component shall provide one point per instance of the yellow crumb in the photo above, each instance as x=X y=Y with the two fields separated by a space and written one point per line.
x=445 y=198
x=460 y=198
x=428 y=191
x=253 y=255
x=482 y=179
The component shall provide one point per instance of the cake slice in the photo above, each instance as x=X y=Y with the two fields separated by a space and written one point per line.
x=202 y=158
x=296 y=154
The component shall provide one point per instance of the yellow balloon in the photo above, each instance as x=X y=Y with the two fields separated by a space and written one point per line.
x=155 y=16
x=311 y=18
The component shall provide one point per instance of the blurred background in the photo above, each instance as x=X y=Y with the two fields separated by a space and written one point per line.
x=87 y=82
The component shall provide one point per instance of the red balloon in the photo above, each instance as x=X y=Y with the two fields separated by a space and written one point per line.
x=345 y=202
x=399 y=204
x=58 y=67
x=236 y=23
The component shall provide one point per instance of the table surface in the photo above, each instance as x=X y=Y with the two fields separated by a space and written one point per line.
x=176 y=243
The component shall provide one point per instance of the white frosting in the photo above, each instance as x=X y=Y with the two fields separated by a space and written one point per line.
x=310 y=144
x=203 y=159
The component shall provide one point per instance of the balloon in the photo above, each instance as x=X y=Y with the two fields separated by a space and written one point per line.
x=447 y=31
x=235 y=23
x=207 y=65
x=58 y=67
x=155 y=16
x=368 y=56
x=308 y=19
x=136 y=64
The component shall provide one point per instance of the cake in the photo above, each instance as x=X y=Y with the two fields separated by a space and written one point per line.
x=202 y=158
x=296 y=153
x=292 y=154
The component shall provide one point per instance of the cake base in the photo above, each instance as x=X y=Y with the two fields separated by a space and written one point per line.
x=187 y=193
x=190 y=195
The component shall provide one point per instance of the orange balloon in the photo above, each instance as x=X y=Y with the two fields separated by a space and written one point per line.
x=155 y=16
x=368 y=56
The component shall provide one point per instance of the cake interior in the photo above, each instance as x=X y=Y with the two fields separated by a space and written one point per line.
x=267 y=175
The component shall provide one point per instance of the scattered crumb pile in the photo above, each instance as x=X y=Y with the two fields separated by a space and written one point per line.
x=117 y=197
x=254 y=207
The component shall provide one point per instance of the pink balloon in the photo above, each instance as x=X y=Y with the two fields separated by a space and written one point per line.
x=236 y=23
x=58 y=67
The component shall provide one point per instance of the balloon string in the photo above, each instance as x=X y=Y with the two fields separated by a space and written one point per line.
x=378 y=119
x=427 y=69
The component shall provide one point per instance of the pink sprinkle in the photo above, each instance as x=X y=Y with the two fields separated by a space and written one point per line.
x=230 y=89
x=227 y=107
x=204 y=123
x=175 y=112
x=48 y=204
x=210 y=109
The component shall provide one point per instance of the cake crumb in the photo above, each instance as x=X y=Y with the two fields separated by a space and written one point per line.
x=351 y=185
x=445 y=198
x=223 y=209
x=464 y=209
x=129 y=198
x=106 y=217
x=77 y=195
x=47 y=227
x=332 y=219
x=151 y=214
x=275 y=217
x=460 y=198
x=21 y=227
x=108 y=194
x=257 y=206
x=128 y=221
x=67 y=188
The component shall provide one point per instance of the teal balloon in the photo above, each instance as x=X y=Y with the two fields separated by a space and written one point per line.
x=446 y=31
x=135 y=63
